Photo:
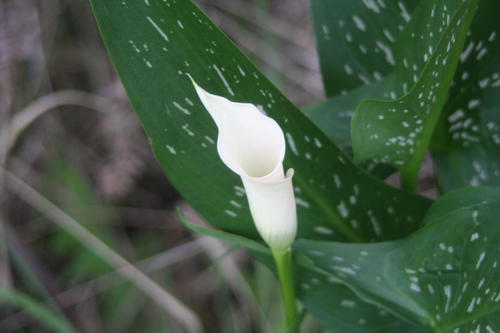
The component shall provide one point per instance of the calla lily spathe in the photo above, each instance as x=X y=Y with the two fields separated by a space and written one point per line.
x=252 y=145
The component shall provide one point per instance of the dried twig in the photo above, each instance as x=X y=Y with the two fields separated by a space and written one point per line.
x=168 y=302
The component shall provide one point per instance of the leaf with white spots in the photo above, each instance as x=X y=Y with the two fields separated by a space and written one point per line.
x=440 y=277
x=333 y=116
x=335 y=305
x=335 y=199
x=339 y=308
x=355 y=40
x=427 y=53
x=486 y=324
x=466 y=148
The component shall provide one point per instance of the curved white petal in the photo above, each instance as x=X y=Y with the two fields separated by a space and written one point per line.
x=249 y=143
x=252 y=145
x=272 y=205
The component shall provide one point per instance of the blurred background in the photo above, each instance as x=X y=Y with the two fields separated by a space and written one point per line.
x=75 y=154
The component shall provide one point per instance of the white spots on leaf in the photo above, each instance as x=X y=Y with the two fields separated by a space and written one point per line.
x=480 y=260
x=473 y=103
x=374 y=221
x=179 y=23
x=347 y=303
x=415 y=287
x=316 y=253
x=136 y=49
x=239 y=191
x=481 y=53
x=348 y=69
x=471 y=306
x=318 y=143
x=171 y=149
x=356 y=189
x=180 y=108
x=209 y=139
x=326 y=31
x=242 y=72
x=302 y=202
x=492 y=36
x=342 y=209
x=230 y=213
x=484 y=83
x=323 y=230
x=185 y=127
x=371 y=4
x=404 y=12
x=389 y=57
x=363 y=79
x=235 y=204
x=336 y=178
x=389 y=35
x=456 y=115
x=360 y=24
x=157 y=28
x=466 y=53
x=226 y=84
x=346 y=270
x=291 y=143
x=447 y=293
x=410 y=271
x=430 y=288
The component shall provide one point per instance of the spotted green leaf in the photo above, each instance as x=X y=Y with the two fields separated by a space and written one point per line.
x=466 y=148
x=441 y=277
x=355 y=40
x=399 y=131
x=339 y=308
x=153 y=44
x=487 y=324
x=333 y=116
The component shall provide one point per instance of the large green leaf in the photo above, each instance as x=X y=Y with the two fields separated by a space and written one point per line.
x=335 y=305
x=487 y=324
x=339 y=308
x=441 y=277
x=355 y=39
x=333 y=116
x=466 y=148
x=399 y=131
x=153 y=44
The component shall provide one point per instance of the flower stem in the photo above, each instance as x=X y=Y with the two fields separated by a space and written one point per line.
x=283 y=260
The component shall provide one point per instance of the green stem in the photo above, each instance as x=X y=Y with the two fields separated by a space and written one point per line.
x=283 y=260
x=409 y=176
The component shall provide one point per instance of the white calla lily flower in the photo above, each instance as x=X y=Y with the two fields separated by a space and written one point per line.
x=252 y=145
